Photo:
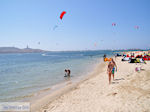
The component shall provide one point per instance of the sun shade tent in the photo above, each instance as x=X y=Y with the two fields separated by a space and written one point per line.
x=118 y=54
x=146 y=57
x=126 y=59
x=137 y=60
x=139 y=56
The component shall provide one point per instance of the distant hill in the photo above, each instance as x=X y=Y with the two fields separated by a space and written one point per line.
x=18 y=50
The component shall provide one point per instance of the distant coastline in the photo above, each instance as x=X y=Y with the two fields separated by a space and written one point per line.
x=18 y=50
x=4 y=50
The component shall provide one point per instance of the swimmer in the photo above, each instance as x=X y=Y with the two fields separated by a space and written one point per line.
x=67 y=73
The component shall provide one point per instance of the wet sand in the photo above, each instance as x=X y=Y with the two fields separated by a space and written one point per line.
x=129 y=92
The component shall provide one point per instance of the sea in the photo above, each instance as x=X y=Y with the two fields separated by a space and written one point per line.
x=22 y=75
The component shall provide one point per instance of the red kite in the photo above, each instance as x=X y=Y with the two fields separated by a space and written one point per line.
x=62 y=14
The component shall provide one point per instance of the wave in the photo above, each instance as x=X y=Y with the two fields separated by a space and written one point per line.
x=63 y=55
x=50 y=55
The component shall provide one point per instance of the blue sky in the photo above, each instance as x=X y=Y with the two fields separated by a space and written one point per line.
x=86 y=25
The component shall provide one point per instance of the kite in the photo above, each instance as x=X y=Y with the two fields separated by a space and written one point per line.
x=95 y=44
x=62 y=14
x=61 y=17
x=113 y=24
x=136 y=27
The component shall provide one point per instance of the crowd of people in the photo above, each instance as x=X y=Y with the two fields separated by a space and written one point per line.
x=131 y=58
x=112 y=67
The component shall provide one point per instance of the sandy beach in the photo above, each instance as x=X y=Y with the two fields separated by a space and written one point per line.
x=129 y=92
x=56 y=56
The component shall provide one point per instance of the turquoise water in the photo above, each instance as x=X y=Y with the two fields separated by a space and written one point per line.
x=21 y=75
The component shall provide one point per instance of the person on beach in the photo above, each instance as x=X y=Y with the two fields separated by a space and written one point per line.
x=104 y=57
x=115 y=57
x=109 y=71
x=114 y=66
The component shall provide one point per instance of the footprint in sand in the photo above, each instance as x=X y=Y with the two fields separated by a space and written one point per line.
x=119 y=79
x=114 y=82
x=113 y=94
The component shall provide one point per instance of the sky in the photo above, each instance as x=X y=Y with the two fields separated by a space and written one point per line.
x=87 y=24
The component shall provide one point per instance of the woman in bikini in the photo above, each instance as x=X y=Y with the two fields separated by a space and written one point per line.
x=109 y=71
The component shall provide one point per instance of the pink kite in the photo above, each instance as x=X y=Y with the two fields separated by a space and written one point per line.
x=113 y=24
x=136 y=27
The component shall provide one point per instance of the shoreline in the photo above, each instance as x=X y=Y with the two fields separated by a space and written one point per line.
x=50 y=96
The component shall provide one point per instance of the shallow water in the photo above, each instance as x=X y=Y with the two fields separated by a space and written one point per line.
x=22 y=75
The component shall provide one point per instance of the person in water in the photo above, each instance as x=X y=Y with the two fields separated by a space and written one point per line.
x=114 y=66
x=67 y=73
